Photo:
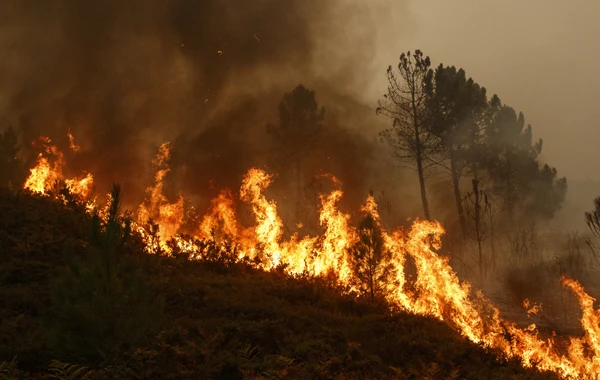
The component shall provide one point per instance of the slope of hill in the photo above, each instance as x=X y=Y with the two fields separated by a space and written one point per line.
x=219 y=321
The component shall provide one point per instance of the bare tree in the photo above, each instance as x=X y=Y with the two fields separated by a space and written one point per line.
x=405 y=104
x=593 y=221
x=480 y=206
x=593 y=218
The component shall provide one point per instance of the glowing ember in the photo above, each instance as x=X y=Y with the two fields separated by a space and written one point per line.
x=531 y=309
x=74 y=147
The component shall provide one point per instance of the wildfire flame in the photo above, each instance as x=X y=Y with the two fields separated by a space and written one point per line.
x=221 y=217
x=74 y=147
x=48 y=172
x=156 y=208
x=436 y=291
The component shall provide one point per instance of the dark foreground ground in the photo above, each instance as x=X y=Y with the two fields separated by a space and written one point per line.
x=216 y=321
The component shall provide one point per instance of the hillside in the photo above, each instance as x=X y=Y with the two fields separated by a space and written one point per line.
x=218 y=321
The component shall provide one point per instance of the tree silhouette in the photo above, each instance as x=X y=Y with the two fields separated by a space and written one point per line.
x=441 y=117
x=405 y=103
x=370 y=260
x=12 y=171
x=511 y=161
x=592 y=218
x=101 y=306
x=299 y=124
x=478 y=207
x=457 y=106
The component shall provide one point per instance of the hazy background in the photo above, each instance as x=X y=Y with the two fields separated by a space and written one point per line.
x=208 y=75
x=540 y=57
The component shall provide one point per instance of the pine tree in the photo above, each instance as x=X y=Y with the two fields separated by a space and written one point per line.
x=300 y=122
x=527 y=189
x=12 y=169
x=102 y=308
x=457 y=106
x=370 y=259
x=405 y=103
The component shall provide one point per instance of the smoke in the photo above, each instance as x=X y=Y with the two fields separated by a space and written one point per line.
x=207 y=75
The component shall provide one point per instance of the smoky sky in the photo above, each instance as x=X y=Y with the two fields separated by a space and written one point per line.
x=539 y=56
x=207 y=75
x=125 y=76
x=115 y=71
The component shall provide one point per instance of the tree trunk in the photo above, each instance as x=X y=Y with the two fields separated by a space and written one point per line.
x=478 y=216
x=419 y=157
x=477 y=225
x=371 y=279
x=510 y=194
x=457 y=195
x=423 y=190
x=298 y=187
x=492 y=239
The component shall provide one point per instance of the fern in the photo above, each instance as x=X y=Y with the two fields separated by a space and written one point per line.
x=433 y=371
x=248 y=352
x=283 y=363
x=67 y=371
x=8 y=370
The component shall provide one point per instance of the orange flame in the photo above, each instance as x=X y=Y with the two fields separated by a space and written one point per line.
x=156 y=207
x=45 y=175
x=268 y=230
x=221 y=216
x=48 y=172
x=74 y=147
x=81 y=186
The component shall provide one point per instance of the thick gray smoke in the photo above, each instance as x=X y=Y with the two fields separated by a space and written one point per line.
x=207 y=75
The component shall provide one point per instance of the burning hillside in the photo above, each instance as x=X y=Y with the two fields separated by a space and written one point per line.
x=277 y=183
x=435 y=290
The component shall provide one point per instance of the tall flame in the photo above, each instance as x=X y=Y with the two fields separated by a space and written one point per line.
x=48 y=172
x=156 y=207
x=45 y=174
x=221 y=217
x=268 y=230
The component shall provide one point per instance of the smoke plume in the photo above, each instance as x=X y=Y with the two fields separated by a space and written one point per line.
x=208 y=75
